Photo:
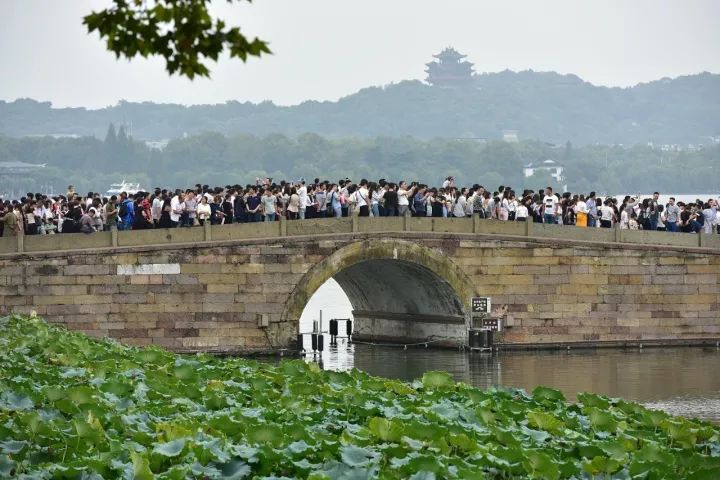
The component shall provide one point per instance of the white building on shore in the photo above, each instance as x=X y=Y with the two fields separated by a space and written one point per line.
x=551 y=166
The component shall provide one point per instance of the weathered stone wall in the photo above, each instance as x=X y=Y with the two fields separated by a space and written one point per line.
x=578 y=293
x=217 y=295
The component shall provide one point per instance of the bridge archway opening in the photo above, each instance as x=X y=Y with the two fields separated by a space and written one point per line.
x=396 y=291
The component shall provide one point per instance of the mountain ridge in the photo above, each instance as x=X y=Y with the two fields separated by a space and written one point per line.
x=539 y=105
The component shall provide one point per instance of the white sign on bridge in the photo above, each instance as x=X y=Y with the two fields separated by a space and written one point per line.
x=149 y=269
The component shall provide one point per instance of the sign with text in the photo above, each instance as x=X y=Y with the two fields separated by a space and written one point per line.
x=480 y=305
x=494 y=324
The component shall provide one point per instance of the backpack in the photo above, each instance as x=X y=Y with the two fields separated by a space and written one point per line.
x=123 y=210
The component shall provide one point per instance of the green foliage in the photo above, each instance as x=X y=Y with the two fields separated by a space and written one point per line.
x=92 y=165
x=180 y=31
x=73 y=407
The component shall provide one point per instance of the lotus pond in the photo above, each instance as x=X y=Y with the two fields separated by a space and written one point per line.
x=78 y=408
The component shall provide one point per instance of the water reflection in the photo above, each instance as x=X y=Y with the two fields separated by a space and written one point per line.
x=682 y=381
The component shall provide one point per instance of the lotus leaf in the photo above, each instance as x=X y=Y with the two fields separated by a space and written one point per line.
x=72 y=407
x=170 y=449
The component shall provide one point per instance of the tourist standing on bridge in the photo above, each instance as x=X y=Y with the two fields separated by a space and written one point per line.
x=9 y=219
x=672 y=215
x=653 y=211
x=460 y=204
x=302 y=193
x=269 y=205
x=126 y=213
x=293 y=206
x=404 y=195
x=362 y=199
x=203 y=210
x=581 y=212
x=177 y=207
x=522 y=211
x=389 y=200
x=592 y=214
x=549 y=206
x=253 y=205
x=111 y=213
x=607 y=215
x=189 y=216
x=709 y=215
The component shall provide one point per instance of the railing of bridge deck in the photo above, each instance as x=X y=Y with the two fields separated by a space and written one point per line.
x=354 y=224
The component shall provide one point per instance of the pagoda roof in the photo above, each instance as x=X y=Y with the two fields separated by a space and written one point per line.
x=449 y=53
x=445 y=65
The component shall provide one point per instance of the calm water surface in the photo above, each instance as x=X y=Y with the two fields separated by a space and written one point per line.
x=681 y=381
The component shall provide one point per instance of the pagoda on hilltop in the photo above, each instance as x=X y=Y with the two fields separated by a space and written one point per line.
x=449 y=70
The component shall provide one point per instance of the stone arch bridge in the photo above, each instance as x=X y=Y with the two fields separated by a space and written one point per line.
x=243 y=287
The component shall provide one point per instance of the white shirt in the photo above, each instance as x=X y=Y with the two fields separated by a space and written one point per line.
x=522 y=211
x=581 y=207
x=156 y=209
x=460 y=206
x=203 y=211
x=606 y=213
x=624 y=220
x=362 y=197
x=302 y=193
x=177 y=207
x=550 y=202
x=469 y=203
x=269 y=202
x=402 y=197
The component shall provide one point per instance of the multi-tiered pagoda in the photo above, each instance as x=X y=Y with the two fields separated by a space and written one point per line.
x=449 y=70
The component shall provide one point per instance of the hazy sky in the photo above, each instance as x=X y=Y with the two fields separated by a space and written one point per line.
x=325 y=49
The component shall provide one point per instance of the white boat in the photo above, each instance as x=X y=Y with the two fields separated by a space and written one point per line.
x=127 y=187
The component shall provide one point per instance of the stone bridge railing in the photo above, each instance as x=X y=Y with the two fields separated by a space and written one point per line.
x=283 y=228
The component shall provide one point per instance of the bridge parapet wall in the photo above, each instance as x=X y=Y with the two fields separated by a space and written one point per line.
x=314 y=227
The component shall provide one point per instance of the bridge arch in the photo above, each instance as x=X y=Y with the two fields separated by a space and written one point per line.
x=398 y=289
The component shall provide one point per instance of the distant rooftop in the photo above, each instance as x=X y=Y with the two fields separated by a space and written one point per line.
x=18 y=168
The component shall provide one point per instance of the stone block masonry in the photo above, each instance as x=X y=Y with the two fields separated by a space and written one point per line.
x=211 y=295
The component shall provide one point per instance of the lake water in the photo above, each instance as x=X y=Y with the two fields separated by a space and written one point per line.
x=680 y=380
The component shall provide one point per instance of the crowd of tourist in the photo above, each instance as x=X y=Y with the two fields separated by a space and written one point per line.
x=38 y=214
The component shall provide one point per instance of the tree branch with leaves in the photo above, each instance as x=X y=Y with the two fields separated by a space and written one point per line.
x=183 y=32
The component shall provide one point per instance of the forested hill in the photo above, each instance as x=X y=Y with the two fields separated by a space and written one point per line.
x=547 y=106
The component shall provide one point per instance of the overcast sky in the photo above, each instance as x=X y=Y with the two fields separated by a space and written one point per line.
x=326 y=49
